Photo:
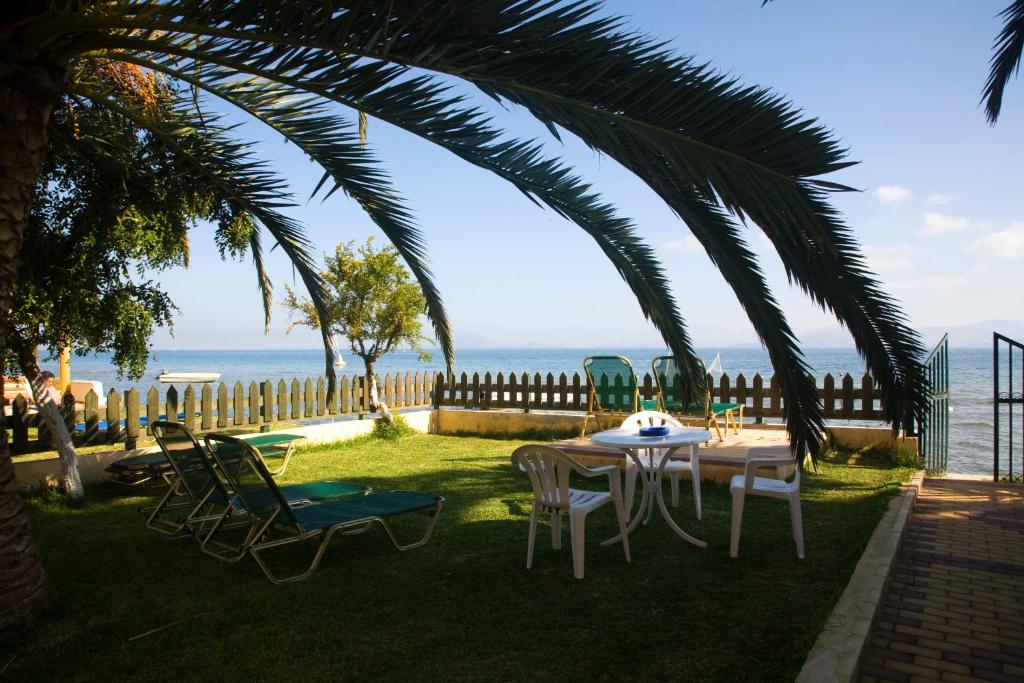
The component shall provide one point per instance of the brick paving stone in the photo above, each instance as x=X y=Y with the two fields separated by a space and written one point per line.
x=953 y=609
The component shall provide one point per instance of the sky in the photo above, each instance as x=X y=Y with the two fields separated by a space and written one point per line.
x=940 y=211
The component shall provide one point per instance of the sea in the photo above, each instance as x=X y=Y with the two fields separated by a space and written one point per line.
x=970 y=418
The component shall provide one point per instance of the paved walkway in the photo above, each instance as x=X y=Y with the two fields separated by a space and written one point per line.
x=955 y=607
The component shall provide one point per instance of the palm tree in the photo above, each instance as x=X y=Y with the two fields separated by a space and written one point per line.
x=718 y=153
x=1005 y=60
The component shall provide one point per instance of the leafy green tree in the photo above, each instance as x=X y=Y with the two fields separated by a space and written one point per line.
x=112 y=210
x=716 y=152
x=373 y=303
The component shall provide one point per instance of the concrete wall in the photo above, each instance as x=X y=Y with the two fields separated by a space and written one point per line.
x=92 y=466
x=515 y=421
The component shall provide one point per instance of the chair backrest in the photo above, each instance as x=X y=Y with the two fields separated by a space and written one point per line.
x=785 y=456
x=650 y=418
x=189 y=460
x=612 y=383
x=549 y=471
x=670 y=386
x=243 y=467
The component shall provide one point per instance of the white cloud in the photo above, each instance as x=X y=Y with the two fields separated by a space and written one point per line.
x=890 y=258
x=939 y=198
x=1005 y=244
x=688 y=243
x=892 y=194
x=942 y=223
x=933 y=283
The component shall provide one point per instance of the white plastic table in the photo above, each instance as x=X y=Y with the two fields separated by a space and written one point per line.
x=630 y=441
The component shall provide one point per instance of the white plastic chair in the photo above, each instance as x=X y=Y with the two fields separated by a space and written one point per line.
x=549 y=472
x=750 y=484
x=673 y=468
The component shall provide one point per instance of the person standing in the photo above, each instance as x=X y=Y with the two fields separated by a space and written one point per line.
x=49 y=390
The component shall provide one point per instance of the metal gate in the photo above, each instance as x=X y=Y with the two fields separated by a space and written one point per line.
x=933 y=436
x=1006 y=397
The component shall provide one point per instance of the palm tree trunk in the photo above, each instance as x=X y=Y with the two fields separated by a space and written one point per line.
x=375 y=403
x=70 y=480
x=27 y=98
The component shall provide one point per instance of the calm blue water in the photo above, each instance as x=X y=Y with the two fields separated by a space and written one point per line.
x=970 y=376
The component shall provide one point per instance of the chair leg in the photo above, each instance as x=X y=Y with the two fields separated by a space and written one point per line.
x=740 y=428
x=674 y=481
x=532 y=537
x=577 y=524
x=718 y=428
x=556 y=529
x=620 y=514
x=798 y=524
x=695 y=477
x=737 y=522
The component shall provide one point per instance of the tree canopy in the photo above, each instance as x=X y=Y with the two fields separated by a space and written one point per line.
x=371 y=301
x=113 y=209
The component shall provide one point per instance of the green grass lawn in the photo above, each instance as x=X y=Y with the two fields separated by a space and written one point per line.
x=463 y=607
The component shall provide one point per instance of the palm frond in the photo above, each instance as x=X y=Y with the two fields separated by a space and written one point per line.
x=1005 y=62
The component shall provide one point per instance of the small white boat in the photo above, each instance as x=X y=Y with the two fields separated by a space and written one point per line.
x=188 y=377
x=339 y=362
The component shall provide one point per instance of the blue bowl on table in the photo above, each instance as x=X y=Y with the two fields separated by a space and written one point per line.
x=654 y=431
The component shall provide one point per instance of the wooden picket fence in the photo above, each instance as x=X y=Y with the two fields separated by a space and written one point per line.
x=848 y=400
x=125 y=417
x=252 y=407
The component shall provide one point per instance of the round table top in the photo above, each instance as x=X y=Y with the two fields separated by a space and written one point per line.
x=630 y=438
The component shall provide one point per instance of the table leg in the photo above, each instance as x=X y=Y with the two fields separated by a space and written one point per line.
x=664 y=510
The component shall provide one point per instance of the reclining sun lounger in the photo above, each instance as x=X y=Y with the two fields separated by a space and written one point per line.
x=282 y=523
x=199 y=496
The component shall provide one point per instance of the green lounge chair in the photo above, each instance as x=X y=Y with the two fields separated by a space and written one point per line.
x=669 y=380
x=199 y=496
x=612 y=388
x=281 y=523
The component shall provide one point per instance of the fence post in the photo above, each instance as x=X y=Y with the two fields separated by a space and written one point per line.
x=268 y=401
x=307 y=398
x=829 y=396
x=296 y=401
x=282 y=400
x=345 y=394
x=206 y=408
x=190 y=408
x=113 y=417
x=758 y=410
x=92 y=417
x=254 y=403
x=222 y=406
x=238 y=404
x=172 y=404
x=131 y=419
x=152 y=408
x=321 y=397
x=848 y=396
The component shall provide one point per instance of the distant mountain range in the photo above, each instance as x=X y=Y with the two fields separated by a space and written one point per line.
x=971 y=335
x=978 y=334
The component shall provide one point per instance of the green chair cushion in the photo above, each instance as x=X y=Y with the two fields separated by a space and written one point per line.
x=719 y=408
x=295 y=493
x=150 y=461
x=360 y=508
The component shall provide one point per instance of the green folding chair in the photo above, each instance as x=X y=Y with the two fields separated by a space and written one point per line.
x=612 y=388
x=670 y=398
x=199 y=496
x=281 y=523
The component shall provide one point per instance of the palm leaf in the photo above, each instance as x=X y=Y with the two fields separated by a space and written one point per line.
x=1005 y=60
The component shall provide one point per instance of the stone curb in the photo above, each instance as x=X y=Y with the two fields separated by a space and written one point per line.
x=837 y=653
